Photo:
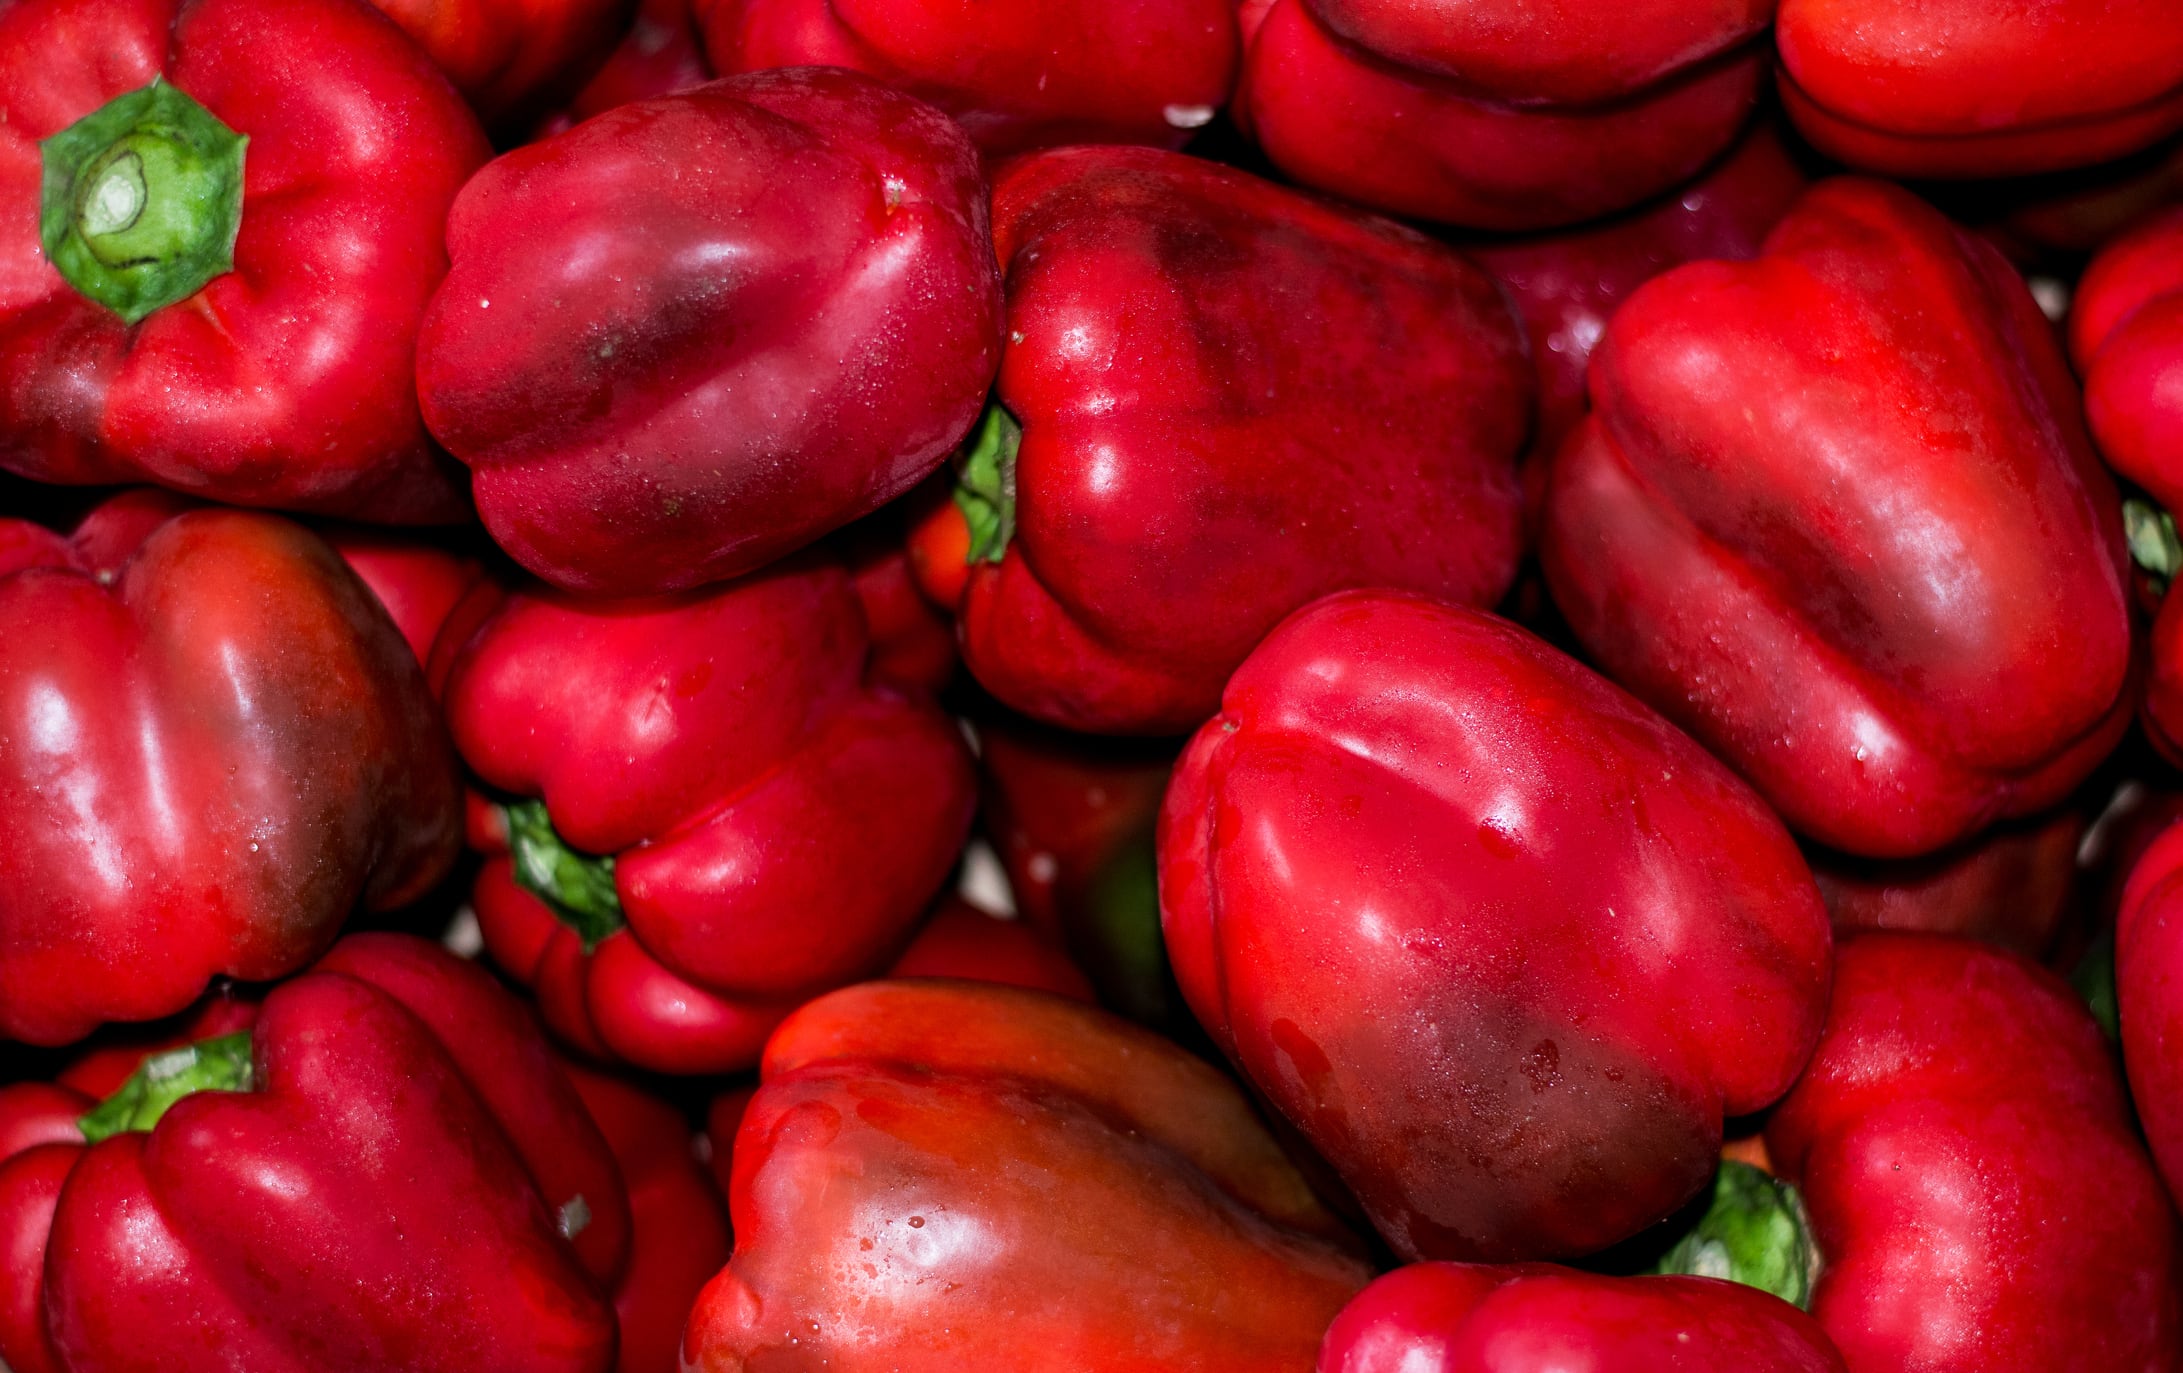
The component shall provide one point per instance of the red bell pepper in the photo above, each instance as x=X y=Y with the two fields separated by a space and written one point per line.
x=678 y=1234
x=719 y=813
x=213 y=745
x=2149 y=996
x=385 y=1173
x=511 y=58
x=772 y=308
x=419 y=583
x=961 y=941
x=238 y=321
x=940 y=1176
x=661 y=54
x=1974 y=88
x=1498 y=114
x=1503 y=944
x=2126 y=337
x=913 y=643
x=1540 y=1318
x=1220 y=400
x=2011 y=885
x=1977 y=1195
x=1018 y=77
x=1834 y=513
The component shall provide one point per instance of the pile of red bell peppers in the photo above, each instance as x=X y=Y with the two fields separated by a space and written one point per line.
x=1091 y=686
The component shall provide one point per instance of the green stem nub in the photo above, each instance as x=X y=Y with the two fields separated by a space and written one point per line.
x=2094 y=979
x=1755 y=1233
x=210 y=1065
x=142 y=200
x=985 y=483
x=576 y=887
x=2152 y=538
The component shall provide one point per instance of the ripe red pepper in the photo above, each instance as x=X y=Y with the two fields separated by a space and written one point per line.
x=1834 y=513
x=1220 y=400
x=1540 y=1318
x=1975 y=88
x=733 y=814
x=2011 y=885
x=961 y=941
x=1978 y=1197
x=510 y=58
x=1017 y=77
x=2126 y=337
x=913 y=643
x=419 y=583
x=238 y=321
x=939 y=1176
x=1498 y=114
x=384 y=1173
x=213 y=745
x=1503 y=944
x=772 y=309
x=2149 y=995
x=661 y=54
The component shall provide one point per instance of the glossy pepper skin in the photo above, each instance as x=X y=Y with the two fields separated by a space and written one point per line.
x=1498 y=114
x=214 y=747
x=777 y=820
x=2149 y=993
x=1541 y=1318
x=388 y=1187
x=640 y=419
x=1017 y=77
x=2126 y=337
x=1503 y=944
x=1965 y=1153
x=511 y=58
x=1859 y=455
x=946 y=1175
x=662 y=53
x=1980 y=88
x=2011 y=885
x=1232 y=399
x=287 y=381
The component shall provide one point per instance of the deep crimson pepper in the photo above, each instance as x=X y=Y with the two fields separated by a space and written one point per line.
x=735 y=815
x=511 y=58
x=1970 y=88
x=383 y=1173
x=678 y=1234
x=1503 y=944
x=1540 y=1318
x=1017 y=77
x=961 y=941
x=2011 y=885
x=1976 y=1192
x=696 y=333
x=419 y=583
x=213 y=745
x=1498 y=114
x=939 y=1176
x=238 y=322
x=1835 y=514
x=1220 y=400
x=2126 y=337
x=661 y=54
x=2149 y=996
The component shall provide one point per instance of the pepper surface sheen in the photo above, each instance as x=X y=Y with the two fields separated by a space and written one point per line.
x=1980 y=88
x=694 y=334
x=1979 y=1198
x=1498 y=114
x=2149 y=993
x=214 y=745
x=1542 y=1318
x=1502 y=943
x=235 y=320
x=1017 y=77
x=2126 y=337
x=734 y=814
x=1835 y=514
x=1232 y=399
x=383 y=1177
x=947 y=1175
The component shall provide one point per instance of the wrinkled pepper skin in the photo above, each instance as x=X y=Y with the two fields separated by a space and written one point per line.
x=2126 y=337
x=948 y=1175
x=288 y=381
x=214 y=745
x=1980 y=88
x=1860 y=455
x=778 y=820
x=678 y=1227
x=1233 y=400
x=2011 y=885
x=1498 y=114
x=511 y=58
x=1503 y=944
x=385 y=1194
x=2149 y=992
x=1541 y=1318
x=636 y=421
x=1017 y=77
x=1965 y=1153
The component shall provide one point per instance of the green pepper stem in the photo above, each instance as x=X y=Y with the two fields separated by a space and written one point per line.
x=223 y=1064
x=985 y=483
x=1755 y=1233
x=577 y=887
